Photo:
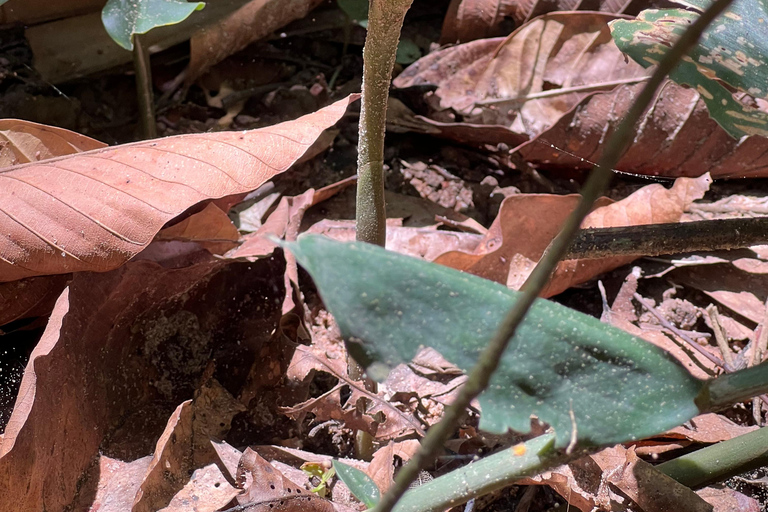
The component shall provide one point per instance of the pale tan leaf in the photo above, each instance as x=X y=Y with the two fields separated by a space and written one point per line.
x=22 y=142
x=95 y=210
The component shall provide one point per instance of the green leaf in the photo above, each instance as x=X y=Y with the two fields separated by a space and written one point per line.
x=359 y=483
x=123 y=18
x=357 y=10
x=734 y=50
x=408 y=52
x=582 y=377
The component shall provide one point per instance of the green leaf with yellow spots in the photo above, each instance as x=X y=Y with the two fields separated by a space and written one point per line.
x=588 y=380
x=732 y=51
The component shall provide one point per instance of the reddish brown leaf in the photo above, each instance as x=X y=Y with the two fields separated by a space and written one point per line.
x=211 y=228
x=96 y=210
x=382 y=467
x=467 y=20
x=118 y=483
x=33 y=296
x=527 y=223
x=22 y=142
x=110 y=363
x=676 y=137
x=168 y=470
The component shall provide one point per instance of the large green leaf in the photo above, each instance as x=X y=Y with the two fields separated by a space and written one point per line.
x=123 y=18
x=734 y=50
x=571 y=371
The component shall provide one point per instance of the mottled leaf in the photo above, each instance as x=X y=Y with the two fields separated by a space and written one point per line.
x=733 y=50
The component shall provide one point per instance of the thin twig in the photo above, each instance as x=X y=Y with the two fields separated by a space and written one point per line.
x=722 y=343
x=480 y=375
x=559 y=92
x=672 y=238
x=714 y=359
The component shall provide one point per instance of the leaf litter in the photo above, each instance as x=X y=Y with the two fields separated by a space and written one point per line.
x=209 y=335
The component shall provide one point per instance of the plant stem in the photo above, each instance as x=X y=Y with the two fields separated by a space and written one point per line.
x=143 y=70
x=719 y=461
x=481 y=477
x=672 y=238
x=599 y=178
x=385 y=19
x=733 y=388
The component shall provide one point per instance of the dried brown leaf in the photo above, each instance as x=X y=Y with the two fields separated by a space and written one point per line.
x=527 y=223
x=95 y=210
x=117 y=486
x=269 y=490
x=206 y=491
x=251 y=22
x=23 y=142
x=382 y=467
x=573 y=49
x=211 y=228
x=115 y=337
x=168 y=471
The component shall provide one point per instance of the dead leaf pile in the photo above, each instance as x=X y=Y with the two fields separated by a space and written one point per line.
x=186 y=363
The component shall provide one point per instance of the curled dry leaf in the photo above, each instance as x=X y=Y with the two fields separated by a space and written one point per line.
x=249 y=23
x=382 y=467
x=22 y=142
x=675 y=138
x=467 y=20
x=527 y=223
x=211 y=228
x=170 y=466
x=95 y=210
x=490 y=81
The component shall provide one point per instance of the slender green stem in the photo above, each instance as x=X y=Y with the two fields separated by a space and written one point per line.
x=141 y=66
x=385 y=19
x=719 y=461
x=482 y=477
x=599 y=178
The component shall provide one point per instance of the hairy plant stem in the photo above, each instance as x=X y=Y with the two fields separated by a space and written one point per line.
x=385 y=19
x=143 y=70
x=489 y=359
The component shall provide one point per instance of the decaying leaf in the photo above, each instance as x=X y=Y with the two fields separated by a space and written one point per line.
x=362 y=409
x=266 y=489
